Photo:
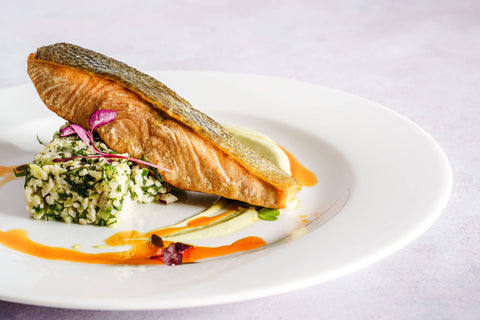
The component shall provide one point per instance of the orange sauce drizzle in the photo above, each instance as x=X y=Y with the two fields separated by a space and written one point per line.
x=6 y=174
x=141 y=248
x=302 y=174
x=304 y=218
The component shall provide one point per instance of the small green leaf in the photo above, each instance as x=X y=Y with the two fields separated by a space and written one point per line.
x=153 y=169
x=21 y=171
x=269 y=214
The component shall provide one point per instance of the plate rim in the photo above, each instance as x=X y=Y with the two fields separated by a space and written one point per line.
x=440 y=205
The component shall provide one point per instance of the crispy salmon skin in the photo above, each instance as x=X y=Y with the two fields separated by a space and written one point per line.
x=155 y=123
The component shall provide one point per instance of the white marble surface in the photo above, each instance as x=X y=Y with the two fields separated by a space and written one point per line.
x=420 y=58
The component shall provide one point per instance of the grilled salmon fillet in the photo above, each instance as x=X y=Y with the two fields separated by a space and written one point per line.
x=155 y=123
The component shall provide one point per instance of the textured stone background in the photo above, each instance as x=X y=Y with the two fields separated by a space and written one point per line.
x=419 y=58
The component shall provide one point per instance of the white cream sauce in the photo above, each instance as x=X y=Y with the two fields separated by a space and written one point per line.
x=262 y=144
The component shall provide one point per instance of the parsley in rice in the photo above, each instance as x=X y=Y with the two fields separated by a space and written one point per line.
x=87 y=190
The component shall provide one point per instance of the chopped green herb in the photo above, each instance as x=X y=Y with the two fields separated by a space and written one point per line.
x=84 y=187
x=269 y=214
x=21 y=171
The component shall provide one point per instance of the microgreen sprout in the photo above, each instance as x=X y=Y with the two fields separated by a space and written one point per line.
x=97 y=119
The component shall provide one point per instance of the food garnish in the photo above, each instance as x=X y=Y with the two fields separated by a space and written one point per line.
x=21 y=170
x=157 y=241
x=98 y=119
x=69 y=181
x=171 y=255
x=268 y=214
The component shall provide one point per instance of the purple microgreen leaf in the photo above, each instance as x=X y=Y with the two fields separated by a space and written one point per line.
x=82 y=133
x=77 y=157
x=94 y=146
x=100 y=118
x=148 y=164
x=67 y=131
x=97 y=119
x=119 y=156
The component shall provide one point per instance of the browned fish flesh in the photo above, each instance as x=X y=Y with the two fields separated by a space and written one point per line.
x=155 y=123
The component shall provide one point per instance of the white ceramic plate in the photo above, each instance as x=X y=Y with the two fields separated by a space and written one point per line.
x=382 y=182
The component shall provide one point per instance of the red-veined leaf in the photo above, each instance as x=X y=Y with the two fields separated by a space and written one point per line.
x=100 y=118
